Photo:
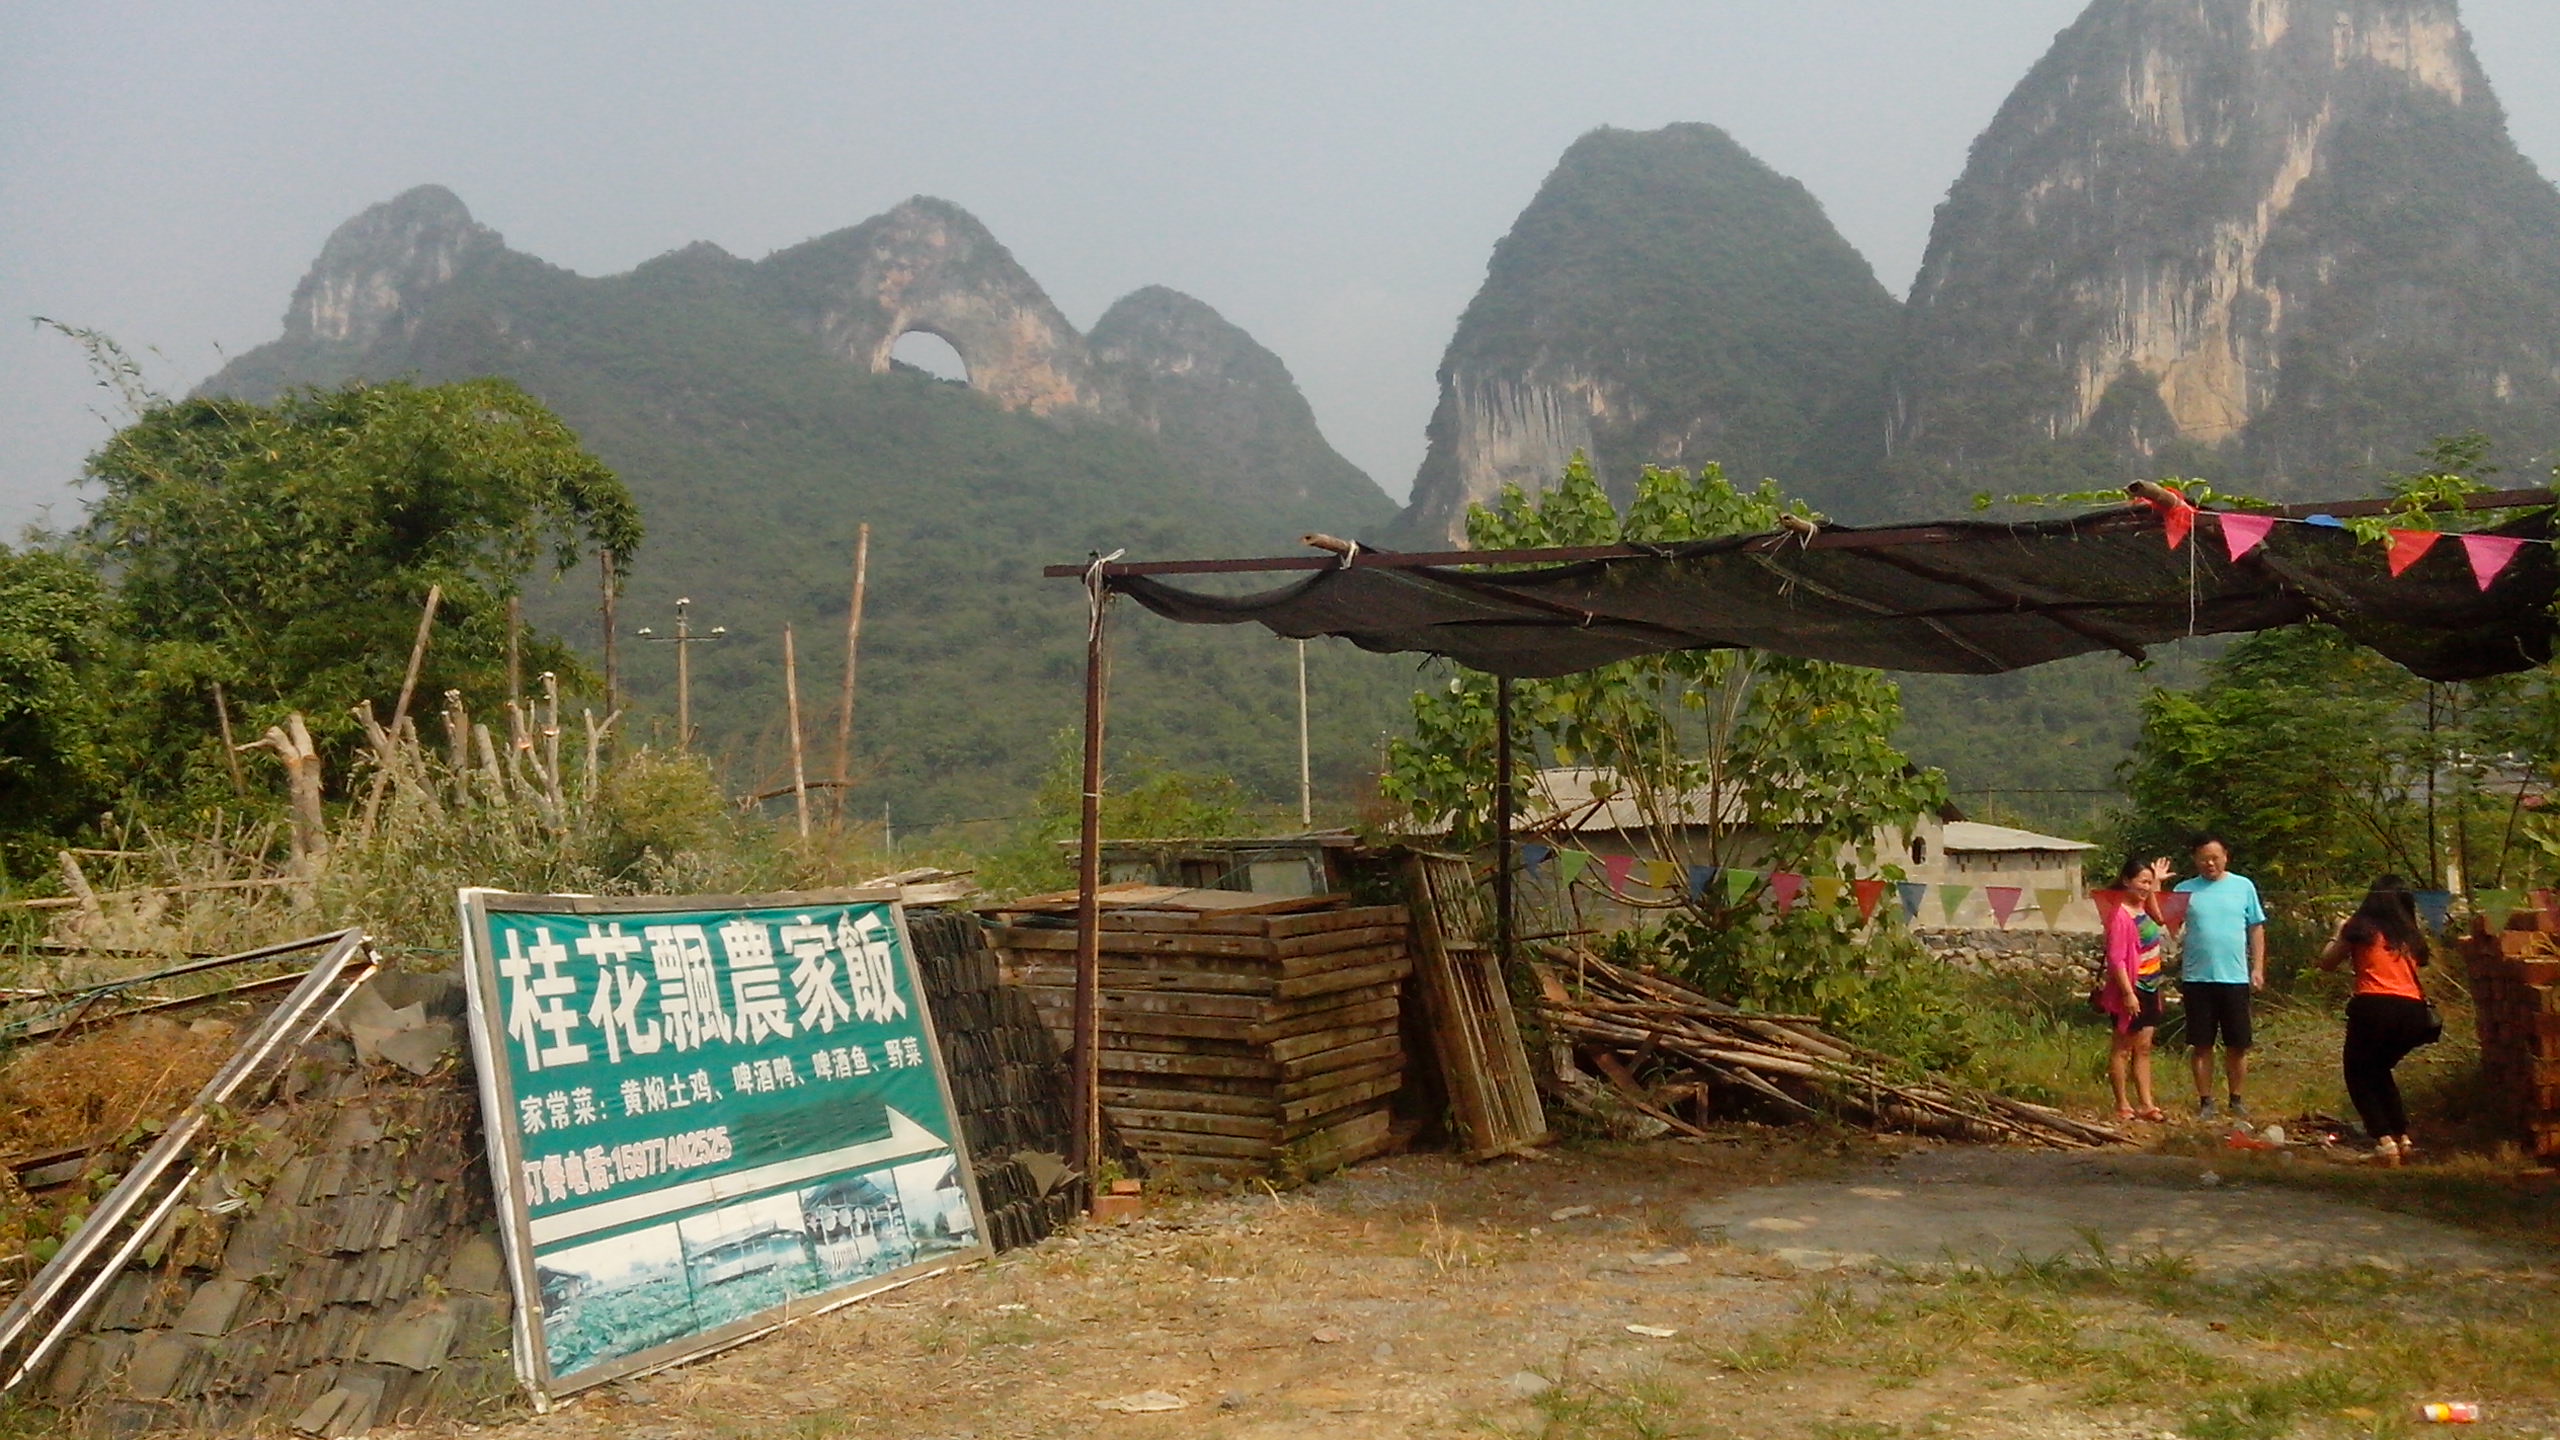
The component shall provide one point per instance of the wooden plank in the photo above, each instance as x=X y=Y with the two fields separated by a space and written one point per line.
x=1176 y=1142
x=1299 y=1047
x=1310 y=1087
x=1333 y=940
x=1126 y=1118
x=1375 y=1007
x=1289 y=927
x=1165 y=1062
x=1127 y=1039
x=1348 y=1143
x=1351 y=979
x=1466 y=1008
x=1203 y=1102
x=1045 y=973
x=1321 y=1106
x=1300 y=967
x=1134 y=942
x=1242 y=1010
x=1337 y=1059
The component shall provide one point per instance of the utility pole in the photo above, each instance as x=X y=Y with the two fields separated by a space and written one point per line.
x=852 y=649
x=684 y=640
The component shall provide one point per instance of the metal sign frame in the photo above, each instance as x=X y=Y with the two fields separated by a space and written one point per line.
x=500 y=1111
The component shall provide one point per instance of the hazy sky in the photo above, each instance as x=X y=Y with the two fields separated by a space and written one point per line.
x=1330 y=177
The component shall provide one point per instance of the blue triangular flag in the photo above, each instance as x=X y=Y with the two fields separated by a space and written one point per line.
x=1700 y=877
x=2437 y=907
x=2332 y=521
x=1533 y=856
x=1912 y=893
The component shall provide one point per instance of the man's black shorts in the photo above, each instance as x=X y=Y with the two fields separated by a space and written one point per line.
x=2217 y=1011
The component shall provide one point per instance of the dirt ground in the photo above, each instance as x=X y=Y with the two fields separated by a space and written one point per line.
x=1758 y=1284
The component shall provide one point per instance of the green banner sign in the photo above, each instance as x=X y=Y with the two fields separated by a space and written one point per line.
x=706 y=1115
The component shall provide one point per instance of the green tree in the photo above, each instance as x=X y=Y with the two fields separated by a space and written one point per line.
x=57 y=747
x=287 y=550
x=1761 y=760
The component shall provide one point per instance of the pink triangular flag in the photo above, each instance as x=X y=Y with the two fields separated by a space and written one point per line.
x=1618 y=868
x=1783 y=884
x=2489 y=555
x=2244 y=533
x=2173 y=909
x=2004 y=902
x=2408 y=545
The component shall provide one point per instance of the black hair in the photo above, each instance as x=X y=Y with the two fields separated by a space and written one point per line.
x=2133 y=865
x=2389 y=914
x=2202 y=838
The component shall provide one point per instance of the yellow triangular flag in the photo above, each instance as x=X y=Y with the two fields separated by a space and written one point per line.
x=1661 y=874
x=2051 y=903
x=1827 y=889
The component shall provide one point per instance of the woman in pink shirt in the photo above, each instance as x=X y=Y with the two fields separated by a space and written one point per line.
x=2129 y=988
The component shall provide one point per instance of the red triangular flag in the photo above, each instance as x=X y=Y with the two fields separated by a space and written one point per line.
x=2177 y=517
x=1868 y=893
x=1784 y=884
x=2408 y=545
x=2004 y=902
x=2173 y=909
x=2244 y=533
x=1618 y=868
x=2489 y=555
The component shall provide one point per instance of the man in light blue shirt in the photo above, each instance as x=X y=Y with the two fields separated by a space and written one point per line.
x=2223 y=959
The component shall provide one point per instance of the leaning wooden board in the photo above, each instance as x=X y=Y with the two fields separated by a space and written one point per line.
x=1235 y=1041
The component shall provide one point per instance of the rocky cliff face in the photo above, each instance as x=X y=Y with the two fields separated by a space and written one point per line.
x=2281 y=241
x=1665 y=299
x=389 y=295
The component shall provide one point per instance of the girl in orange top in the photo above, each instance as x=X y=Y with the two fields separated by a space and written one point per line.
x=2388 y=1016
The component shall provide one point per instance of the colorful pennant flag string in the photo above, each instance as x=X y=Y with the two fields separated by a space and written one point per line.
x=1868 y=892
x=2496 y=905
x=1738 y=883
x=1570 y=864
x=1783 y=887
x=2436 y=908
x=2242 y=533
x=1826 y=889
x=2004 y=902
x=2408 y=546
x=1619 y=869
x=2173 y=909
x=1532 y=857
x=2050 y=903
x=1700 y=878
x=1911 y=892
x=1951 y=899
x=2490 y=554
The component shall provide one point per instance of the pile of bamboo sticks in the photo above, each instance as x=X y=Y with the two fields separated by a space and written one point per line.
x=1660 y=1043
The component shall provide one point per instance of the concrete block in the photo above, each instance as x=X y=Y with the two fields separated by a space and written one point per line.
x=209 y=1310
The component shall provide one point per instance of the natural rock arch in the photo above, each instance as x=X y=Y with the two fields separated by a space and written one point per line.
x=929 y=265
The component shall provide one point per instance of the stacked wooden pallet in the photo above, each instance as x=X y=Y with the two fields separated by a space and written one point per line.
x=2515 y=994
x=1237 y=1042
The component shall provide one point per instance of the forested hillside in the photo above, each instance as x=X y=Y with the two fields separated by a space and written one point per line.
x=754 y=454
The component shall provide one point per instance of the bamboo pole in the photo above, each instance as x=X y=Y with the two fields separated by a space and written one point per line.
x=791 y=700
x=1504 y=921
x=515 y=656
x=1306 y=774
x=852 y=651
x=417 y=656
x=230 y=747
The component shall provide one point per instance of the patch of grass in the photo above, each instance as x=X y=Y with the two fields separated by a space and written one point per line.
x=1575 y=1408
x=2354 y=1343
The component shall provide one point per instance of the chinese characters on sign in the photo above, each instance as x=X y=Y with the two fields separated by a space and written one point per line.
x=703 y=1114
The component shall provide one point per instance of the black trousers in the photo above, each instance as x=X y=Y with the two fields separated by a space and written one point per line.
x=2381 y=1030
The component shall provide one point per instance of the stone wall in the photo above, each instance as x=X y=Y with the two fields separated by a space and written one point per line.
x=2020 y=951
x=339 y=1267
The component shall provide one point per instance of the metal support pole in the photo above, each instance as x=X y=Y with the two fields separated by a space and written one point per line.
x=1306 y=771
x=1087 y=1053
x=1504 y=925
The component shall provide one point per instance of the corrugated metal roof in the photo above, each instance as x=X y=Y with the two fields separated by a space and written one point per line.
x=1974 y=835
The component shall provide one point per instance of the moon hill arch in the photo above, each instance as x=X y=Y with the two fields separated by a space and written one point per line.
x=417 y=286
